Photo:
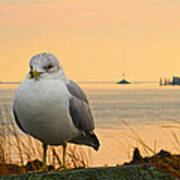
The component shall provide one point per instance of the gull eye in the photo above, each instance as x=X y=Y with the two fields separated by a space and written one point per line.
x=49 y=66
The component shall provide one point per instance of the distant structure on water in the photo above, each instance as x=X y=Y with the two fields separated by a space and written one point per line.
x=166 y=81
x=123 y=81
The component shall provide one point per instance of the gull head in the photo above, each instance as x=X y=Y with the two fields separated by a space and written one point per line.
x=45 y=65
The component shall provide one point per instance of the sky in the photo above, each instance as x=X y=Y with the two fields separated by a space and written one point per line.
x=95 y=40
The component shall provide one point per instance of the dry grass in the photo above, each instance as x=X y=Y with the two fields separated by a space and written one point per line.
x=18 y=148
x=167 y=164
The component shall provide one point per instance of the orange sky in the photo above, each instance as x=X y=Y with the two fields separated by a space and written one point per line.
x=95 y=40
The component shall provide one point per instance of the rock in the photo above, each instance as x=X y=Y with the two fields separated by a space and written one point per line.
x=136 y=155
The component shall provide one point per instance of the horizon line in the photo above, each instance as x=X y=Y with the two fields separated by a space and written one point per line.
x=91 y=82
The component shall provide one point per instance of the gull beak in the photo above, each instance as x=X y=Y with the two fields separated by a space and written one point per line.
x=34 y=74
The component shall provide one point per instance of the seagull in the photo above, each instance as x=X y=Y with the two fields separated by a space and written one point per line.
x=52 y=108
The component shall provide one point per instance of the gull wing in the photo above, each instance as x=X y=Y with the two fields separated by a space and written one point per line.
x=81 y=116
x=79 y=108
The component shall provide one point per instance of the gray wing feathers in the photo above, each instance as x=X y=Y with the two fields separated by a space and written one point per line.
x=81 y=115
x=76 y=91
x=79 y=108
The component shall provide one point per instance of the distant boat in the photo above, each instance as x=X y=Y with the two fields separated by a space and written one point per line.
x=123 y=81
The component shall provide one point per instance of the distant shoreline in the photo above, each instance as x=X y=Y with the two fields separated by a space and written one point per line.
x=91 y=82
x=4 y=82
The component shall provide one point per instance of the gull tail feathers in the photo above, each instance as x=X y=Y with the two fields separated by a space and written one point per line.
x=90 y=139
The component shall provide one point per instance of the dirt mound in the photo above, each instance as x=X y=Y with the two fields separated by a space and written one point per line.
x=164 y=161
x=31 y=166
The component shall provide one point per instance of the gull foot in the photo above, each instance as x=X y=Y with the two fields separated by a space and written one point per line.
x=62 y=168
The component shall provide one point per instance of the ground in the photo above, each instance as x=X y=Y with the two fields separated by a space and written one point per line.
x=162 y=165
x=128 y=172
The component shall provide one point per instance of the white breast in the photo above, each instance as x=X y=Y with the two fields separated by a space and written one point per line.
x=42 y=108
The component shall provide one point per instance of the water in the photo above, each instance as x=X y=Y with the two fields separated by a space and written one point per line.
x=112 y=104
x=136 y=104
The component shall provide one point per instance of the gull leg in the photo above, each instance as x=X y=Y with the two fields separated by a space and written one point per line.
x=64 y=156
x=44 y=167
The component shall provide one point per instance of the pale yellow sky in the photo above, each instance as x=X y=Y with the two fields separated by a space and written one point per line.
x=95 y=40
